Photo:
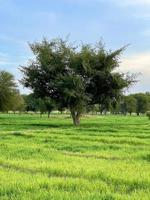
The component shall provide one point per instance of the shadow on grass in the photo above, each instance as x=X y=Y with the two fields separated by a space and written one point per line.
x=19 y=134
x=91 y=127
x=146 y=157
x=31 y=126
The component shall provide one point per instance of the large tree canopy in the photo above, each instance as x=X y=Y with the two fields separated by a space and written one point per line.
x=74 y=77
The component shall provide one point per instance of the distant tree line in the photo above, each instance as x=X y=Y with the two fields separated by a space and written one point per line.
x=134 y=103
x=130 y=104
x=33 y=104
x=12 y=100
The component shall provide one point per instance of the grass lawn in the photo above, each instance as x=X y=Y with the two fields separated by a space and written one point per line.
x=106 y=158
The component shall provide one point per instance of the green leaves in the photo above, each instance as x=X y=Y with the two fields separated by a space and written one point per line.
x=7 y=90
x=74 y=76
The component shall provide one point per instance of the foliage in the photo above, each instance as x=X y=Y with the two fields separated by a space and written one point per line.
x=75 y=77
x=17 y=102
x=148 y=114
x=134 y=103
x=38 y=104
x=128 y=105
x=31 y=103
x=46 y=105
x=142 y=103
x=7 y=90
x=130 y=102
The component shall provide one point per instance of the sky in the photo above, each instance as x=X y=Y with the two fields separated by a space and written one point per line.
x=116 y=22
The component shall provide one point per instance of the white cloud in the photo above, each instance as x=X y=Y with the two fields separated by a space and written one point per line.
x=138 y=64
x=131 y=2
x=121 y=2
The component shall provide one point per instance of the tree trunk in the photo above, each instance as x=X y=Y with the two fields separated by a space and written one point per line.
x=48 y=114
x=75 y=117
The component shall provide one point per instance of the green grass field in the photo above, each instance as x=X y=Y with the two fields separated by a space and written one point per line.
x=106 y=158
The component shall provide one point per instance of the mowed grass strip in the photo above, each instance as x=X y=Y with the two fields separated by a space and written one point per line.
x=107 y=157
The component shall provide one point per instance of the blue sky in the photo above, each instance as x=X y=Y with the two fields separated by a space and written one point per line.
x=117 y=22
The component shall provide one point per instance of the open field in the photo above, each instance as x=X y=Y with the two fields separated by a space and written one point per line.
x=105 y=158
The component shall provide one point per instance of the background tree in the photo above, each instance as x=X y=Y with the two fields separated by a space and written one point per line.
x=17 y=102
x=50 y=105
x=148 y=114
x=128 y=104
x=31 y=103
x=7 y=90
x=41 y=106
x=141 y=103
x=45 y=105
x=148 y=100
x=123 y=107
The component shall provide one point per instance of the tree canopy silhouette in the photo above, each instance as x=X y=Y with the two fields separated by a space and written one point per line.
x=73 y=76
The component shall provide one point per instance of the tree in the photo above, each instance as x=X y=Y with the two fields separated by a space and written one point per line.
x=31 y=103
x=148 y=114
x=45 y=105
x=141 y=103
x=92 y=108
x=129 y=104
x=41 y=106
x=7 y=90
x=148 y=100
x=123 y=107
x=17 y=102
x=74 y=77
x=50 y=105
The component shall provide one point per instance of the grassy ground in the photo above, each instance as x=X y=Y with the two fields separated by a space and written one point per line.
x=106 y=158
